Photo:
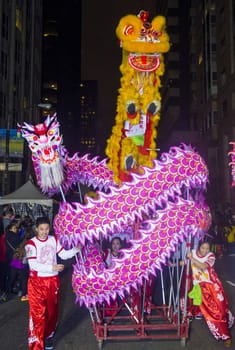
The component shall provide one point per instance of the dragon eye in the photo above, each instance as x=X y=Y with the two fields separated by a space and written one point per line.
x=153 y=107
x=33 y=138
x=51 y=132
x=131 y=110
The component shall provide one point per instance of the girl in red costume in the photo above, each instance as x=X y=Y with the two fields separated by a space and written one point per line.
x=114 y=252
x=214 y=307
x=109 y=255
x=43 y=284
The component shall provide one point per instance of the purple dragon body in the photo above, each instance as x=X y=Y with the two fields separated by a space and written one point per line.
x=168 y=198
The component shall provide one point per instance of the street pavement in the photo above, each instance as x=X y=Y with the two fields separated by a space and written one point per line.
x=75 y=328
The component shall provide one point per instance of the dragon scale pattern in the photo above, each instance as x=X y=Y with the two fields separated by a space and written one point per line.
x=161 y=195
x=95 y=283
x=182 y=166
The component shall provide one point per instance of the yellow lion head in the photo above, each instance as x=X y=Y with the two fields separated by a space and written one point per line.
x=144 y=41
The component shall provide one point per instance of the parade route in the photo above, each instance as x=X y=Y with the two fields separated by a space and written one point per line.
x=75 y=327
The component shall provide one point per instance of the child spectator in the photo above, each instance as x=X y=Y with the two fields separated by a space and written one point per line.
x=43 y=284
x=19 y=270
x=26 y=226
x=19 y=267
x=13 y=240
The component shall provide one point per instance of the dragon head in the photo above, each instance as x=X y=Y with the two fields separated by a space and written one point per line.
x=45 y=143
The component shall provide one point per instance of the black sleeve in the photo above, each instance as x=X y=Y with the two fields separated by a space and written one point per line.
x=1 y=227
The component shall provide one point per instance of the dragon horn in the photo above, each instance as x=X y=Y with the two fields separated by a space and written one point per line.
x=27 y=126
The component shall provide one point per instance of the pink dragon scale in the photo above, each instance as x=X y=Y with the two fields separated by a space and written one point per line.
x=168 y=197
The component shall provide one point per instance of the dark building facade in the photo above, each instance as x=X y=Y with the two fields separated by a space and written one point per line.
x=175 y=111
x=61 y=65
x=20 y=83
x=86 y=133
x=205 y=47
x=101 y=56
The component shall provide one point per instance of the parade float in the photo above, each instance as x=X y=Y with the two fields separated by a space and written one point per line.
x=156 y=205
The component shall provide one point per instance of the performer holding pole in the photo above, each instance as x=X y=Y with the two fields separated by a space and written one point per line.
x=44 y=284
x=214 y=306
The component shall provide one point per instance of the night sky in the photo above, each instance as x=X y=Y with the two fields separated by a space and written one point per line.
x=101 y=55
x=89 y=50
x=62 y=62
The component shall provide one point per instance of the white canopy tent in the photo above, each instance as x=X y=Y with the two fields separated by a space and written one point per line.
x=28 y=200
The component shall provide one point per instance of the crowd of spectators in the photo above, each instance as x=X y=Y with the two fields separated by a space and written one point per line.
x=222 y=232
x=15 y=231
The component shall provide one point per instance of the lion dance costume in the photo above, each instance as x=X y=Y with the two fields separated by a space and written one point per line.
x=133 y=137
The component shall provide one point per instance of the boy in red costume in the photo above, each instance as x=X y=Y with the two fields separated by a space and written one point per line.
x=43 y=284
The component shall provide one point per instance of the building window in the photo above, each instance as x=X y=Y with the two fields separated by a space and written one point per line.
x=200 y=58
x=17 y=51
x=223 y=77
x=213 y=47
x=213 y=19
x=2 y=107
x=223 y=42
x=4 y=26
x=209 y=120
x=215 y=117
x=3 y=65
x=18 y=19
x=233 y=100
x=224 y=108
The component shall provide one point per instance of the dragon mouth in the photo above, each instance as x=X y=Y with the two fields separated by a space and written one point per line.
x=144 y=63
x=48 y=155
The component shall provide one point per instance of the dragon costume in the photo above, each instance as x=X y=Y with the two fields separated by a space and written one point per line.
x=162 y=199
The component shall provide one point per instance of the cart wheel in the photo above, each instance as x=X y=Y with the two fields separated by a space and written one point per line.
x=183 y=342
x=100 y=344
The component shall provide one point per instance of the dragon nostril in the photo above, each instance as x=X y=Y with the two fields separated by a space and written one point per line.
x=147 y=25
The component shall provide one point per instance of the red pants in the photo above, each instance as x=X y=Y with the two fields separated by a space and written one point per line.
x=43 y=295
x=215 y=310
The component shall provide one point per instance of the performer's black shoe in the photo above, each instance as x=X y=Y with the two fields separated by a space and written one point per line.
x=49 y=343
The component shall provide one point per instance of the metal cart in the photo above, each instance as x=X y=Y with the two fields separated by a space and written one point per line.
x=143 y=319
